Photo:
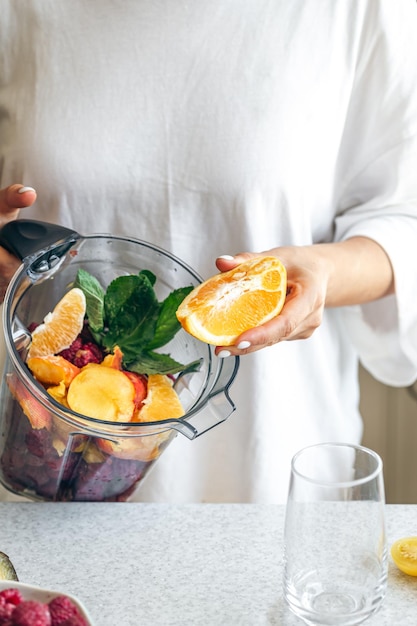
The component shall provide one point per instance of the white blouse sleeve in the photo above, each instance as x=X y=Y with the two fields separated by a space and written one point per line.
x=377 y=197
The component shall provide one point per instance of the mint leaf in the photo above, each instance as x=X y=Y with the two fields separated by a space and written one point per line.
x=156 y=363
x=94 y=295
x=149 y=275
x=167 y=324
x=128 y=315
x=131 y=311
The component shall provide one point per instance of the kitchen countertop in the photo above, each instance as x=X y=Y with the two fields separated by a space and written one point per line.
x=137 y=564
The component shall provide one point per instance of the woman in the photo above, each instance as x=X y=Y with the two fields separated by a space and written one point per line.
x=236 y=128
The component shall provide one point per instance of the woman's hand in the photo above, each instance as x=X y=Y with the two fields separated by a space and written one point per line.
x=322 y=275
x=12 y=199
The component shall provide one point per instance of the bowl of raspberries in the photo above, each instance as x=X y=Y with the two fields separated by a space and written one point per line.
x=27 y=605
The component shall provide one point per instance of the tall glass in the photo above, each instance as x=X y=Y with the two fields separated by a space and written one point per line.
x=335 y=560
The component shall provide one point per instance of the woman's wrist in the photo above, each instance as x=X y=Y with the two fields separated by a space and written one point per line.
x=359 y=271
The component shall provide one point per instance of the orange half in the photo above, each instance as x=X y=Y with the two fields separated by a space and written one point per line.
x=221 y=308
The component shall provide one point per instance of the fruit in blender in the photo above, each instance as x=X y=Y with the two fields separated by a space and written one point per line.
x=57 y=458
x=52 y=369
x=61 y=327
x=103 y=393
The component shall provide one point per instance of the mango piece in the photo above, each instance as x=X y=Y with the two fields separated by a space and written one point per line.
x=52 y=369
x=103 y=393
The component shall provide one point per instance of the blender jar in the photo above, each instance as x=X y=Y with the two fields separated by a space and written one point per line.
x=48 y=452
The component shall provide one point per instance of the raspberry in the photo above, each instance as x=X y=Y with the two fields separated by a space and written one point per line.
x=70 y=352
x=9 y=599
x=61 y=609
x=11 y=596
x=83 y=351
x=31 y=613
x=6 y=610
x=88 y=353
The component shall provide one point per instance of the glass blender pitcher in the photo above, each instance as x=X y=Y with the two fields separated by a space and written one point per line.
x=50 y=453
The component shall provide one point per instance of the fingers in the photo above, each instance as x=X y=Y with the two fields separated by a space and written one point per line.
x=227 y=262
x=8 y=266
x=301 y=315
x=12 y=199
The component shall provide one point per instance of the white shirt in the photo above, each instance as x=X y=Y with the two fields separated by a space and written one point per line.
x=218 y=127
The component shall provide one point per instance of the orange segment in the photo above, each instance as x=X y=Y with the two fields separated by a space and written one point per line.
x=221 y=308
x=161 y=402
x=61 y=327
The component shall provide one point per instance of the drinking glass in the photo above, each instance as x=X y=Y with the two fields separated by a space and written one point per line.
x=335 y=558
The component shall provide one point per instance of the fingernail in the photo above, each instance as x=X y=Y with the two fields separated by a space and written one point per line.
x=223 y=354
x=226 y=257
x=243 y=345
x=25 y=189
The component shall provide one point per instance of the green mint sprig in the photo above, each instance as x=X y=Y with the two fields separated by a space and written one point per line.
x=128 y=314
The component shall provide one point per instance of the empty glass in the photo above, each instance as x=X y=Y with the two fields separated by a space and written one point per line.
x=335 y=561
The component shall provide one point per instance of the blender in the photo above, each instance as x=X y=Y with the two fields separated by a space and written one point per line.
x=50 y=453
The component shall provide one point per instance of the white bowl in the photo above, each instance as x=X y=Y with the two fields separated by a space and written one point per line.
x=32 y=592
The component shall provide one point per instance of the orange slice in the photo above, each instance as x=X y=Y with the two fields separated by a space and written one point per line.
x=161 y=402
x=61 y=327
x=221 y=308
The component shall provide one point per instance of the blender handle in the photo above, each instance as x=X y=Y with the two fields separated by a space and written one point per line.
x=219 y=404
x=24 y=238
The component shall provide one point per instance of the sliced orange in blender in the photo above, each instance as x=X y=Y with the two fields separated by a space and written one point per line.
x=61 y=327
x=221 y=308
x=161 y=402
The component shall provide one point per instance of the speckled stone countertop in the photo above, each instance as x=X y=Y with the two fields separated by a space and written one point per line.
x=188 y=565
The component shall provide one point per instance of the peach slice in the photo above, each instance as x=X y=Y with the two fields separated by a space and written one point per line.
x=140 y=384
x=114 y=360
x=103 y=393
x=52 y=370
x=59 y=393
x=139 y=381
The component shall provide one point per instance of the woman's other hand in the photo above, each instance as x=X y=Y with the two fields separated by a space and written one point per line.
x=345 y=273
x=12 y=199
